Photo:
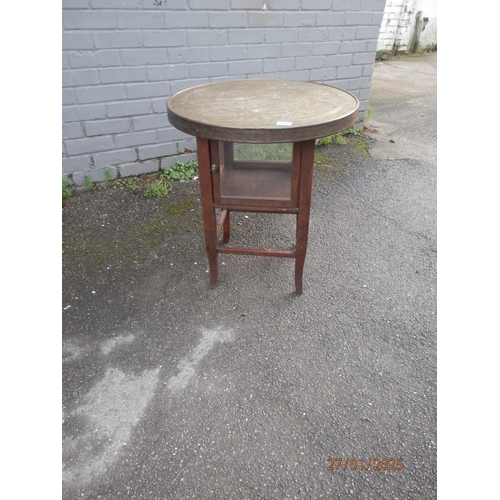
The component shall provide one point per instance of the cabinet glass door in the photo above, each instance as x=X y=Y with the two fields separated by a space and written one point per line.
x=256 y=174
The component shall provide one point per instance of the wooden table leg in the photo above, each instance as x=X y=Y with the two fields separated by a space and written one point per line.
x=306 y=175
x=208 y=211
x=227 y=228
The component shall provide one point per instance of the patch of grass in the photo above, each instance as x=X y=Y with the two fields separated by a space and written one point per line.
x=361 y=146
x=325 y=164
x=132 y=184
x=185 y=205
x=123 y=252
x=174 y=218
x=158 y=188
x=155 y=231
x=320 y=160
x=340 y=139
x=352 y=131
x=182 y=171
x=66 y=191
x=324 y=140
x=97 y=252
x=337 y=138
x=134 y=245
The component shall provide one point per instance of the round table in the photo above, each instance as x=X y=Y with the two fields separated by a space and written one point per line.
x=223 y=116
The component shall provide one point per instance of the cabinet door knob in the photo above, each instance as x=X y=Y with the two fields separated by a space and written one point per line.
x=214 y=168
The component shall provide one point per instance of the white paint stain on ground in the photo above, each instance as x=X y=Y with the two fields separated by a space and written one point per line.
x=113 y=343
x=109 y=412
x=71 y=352
x=187 y=365
x=113 y=407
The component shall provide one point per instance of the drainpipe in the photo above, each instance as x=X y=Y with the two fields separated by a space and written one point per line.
x=415 y=39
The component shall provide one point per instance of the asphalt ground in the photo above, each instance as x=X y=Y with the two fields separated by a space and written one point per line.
x=173 y=391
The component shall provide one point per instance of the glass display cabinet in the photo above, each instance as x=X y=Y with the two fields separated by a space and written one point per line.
x=234 y=120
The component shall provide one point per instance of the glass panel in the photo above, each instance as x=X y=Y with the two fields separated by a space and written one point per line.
x=256 y=172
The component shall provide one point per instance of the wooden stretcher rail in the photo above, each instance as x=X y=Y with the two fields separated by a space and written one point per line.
x=256 y=251
x=257 y=209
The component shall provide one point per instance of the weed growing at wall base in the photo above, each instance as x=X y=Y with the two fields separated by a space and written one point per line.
x=158 y=189
x=88 y=182
x=339 y=138
x=132 y=184
x=182 y=171
x=109 y=176
x=66 y=191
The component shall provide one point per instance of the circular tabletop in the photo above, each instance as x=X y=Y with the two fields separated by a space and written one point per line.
x=262 y=110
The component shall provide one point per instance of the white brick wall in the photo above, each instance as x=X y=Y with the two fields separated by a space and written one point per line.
x=123 y=59
x=400 y=22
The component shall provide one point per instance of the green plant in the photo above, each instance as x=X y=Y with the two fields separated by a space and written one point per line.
x=321 y=161
x=325 y=164
x=353 y=130
x=181 y=171
x=109 y=176
x=324 y=140
x=66 y=191
x=361 y=146
x=131 y=184
x=382 y=55
x=368 y=115
x=158 y=188
x=339 y=139
x=87 y=181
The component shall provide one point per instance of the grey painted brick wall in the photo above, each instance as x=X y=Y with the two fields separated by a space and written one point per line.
x=123 y=59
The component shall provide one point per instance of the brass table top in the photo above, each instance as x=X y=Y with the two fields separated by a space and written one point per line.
x=262 y=111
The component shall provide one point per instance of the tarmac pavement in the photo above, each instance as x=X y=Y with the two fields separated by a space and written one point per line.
x=248 y=391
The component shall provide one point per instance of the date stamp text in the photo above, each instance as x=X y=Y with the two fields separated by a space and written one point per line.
x=365 y=464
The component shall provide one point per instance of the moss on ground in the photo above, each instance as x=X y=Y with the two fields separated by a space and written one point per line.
x=130 y=240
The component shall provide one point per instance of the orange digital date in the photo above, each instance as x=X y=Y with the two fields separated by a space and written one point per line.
x=361 y=464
